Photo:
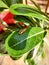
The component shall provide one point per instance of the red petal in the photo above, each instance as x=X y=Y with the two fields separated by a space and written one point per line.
x=10 y=21
x=7 y=17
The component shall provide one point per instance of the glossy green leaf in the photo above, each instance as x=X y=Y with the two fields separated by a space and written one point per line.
x=18 y=44
x=25 y=10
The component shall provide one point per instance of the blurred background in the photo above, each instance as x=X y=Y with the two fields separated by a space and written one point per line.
x=44 y=4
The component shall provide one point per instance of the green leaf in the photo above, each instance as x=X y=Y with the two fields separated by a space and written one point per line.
x=10 y=2
x=25 y=20
x=18 y=44
x=7 y=2
x=21 y=19
x=31 y=62
x=43 y=54
x=2 y=5
x=17 y=1
x=30 y=54
x=26 y=10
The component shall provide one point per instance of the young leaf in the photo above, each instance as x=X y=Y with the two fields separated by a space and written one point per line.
x=18 y=44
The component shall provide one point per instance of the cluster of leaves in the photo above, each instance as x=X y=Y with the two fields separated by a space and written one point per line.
x=25 y=32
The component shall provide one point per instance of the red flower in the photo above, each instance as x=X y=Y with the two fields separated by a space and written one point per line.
x=7 y=17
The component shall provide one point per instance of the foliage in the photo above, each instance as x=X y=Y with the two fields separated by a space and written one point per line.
x=27 y=30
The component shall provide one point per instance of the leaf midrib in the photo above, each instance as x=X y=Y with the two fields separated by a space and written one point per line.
x=28 y=38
